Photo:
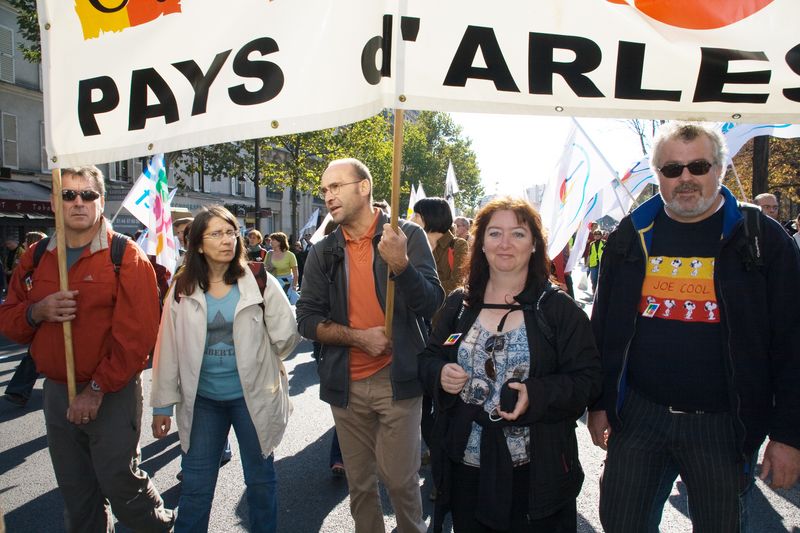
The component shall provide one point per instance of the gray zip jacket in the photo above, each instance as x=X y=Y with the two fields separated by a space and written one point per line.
x=418 y=295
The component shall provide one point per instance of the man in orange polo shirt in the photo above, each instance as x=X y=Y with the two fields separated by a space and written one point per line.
x=370 y=380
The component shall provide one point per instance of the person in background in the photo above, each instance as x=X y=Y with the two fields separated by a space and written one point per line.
x=13 y=253
x=462 y=225
x=218 y=358
x=94 y=439
x=449 y=251
x=19 y=389
x=254 y=250
x=282 y=263
x=768 y=204
x=369 y=379
x=596 y=248
x=509 y=465
x=300 y=254
x=796 y=235
x=179 y=229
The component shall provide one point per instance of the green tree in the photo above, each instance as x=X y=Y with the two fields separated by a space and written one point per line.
x=784 y=174
x=28 y=21
x=431 y=141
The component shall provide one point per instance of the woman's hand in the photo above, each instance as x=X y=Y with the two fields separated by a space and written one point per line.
x=161 y=424
x=522 y=402
x=453 y=378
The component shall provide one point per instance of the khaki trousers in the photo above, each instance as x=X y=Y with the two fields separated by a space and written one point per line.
x=380 y=437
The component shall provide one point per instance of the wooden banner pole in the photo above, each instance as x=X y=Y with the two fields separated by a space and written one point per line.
x=397 y=161
x=61 y=249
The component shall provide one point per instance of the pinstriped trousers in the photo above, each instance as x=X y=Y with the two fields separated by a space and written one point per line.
x=653 y=447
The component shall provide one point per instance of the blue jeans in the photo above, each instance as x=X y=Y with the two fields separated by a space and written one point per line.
x=594 y=273
x=210 y=426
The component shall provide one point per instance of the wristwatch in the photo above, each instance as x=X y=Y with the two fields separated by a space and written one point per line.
x=94 y=386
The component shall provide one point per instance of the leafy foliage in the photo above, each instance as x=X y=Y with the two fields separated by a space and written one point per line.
x=28 y=22
x=431 y=141
x=784 y=173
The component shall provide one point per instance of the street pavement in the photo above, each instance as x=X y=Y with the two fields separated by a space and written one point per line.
x=310 y=499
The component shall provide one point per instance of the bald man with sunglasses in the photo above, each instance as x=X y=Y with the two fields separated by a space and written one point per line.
x=700 y=344
x=94 y=440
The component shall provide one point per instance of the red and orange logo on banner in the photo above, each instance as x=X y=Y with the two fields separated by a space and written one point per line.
x=694 y=15
x=103 y=16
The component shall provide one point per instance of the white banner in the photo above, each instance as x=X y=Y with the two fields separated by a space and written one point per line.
x=146 y=77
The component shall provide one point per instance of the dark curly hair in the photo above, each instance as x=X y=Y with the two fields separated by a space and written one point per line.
x=539 y=265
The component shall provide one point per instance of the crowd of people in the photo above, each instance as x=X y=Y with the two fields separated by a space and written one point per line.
x=689 y=363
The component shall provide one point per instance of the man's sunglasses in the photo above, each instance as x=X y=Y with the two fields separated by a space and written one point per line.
x=696 y=168
x=87 y=195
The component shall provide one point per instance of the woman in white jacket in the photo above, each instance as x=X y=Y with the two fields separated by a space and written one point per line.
x=218 y=359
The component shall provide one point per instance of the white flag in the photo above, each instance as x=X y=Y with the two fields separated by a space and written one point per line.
x=320 y=233
x=420 y=193
x=451 y=188
x=140 y=199
x=738 y=134
x=412 y=199
x=310 y=225
x=581 y=173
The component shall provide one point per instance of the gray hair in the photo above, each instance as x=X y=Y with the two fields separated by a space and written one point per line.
x=90 y=173
x=689 y=131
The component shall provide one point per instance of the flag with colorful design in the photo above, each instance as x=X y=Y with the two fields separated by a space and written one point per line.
x=580 y=175
x=160 y=238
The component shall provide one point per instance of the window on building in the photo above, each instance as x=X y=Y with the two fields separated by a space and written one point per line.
x=10 y=154
x=7 y=55
x=122 y=170
x=234 y=190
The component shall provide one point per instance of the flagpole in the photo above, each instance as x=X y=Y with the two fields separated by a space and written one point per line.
x=597 y=150
x=61 y=250
x=736 y=175
x=116 y=214
x=397 y=160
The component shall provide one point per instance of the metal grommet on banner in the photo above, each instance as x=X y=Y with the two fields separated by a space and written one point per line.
x=736 y=116
x=54 y=159
x=274 y=124
x=402 y=98
x=150 y=147
x=559 y=109
x=47 y=26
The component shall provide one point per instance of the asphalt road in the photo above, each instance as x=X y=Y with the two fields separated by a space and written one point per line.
x=310 y=500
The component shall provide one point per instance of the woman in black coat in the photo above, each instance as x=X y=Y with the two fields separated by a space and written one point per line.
x=511 y=365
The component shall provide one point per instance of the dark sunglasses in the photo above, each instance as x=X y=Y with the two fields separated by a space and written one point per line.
x=696 y=168
x=495 y=342
x=87 y=195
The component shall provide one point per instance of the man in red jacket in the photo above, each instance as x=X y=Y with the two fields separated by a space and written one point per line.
x=93 y=441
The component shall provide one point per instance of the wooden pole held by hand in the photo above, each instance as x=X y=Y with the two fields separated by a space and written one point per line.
x=397 y=161
x=63 y=283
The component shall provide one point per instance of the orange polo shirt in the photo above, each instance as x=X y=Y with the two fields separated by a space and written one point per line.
x=363 y=307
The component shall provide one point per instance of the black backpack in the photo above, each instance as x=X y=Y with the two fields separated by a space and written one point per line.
x=118 y=244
